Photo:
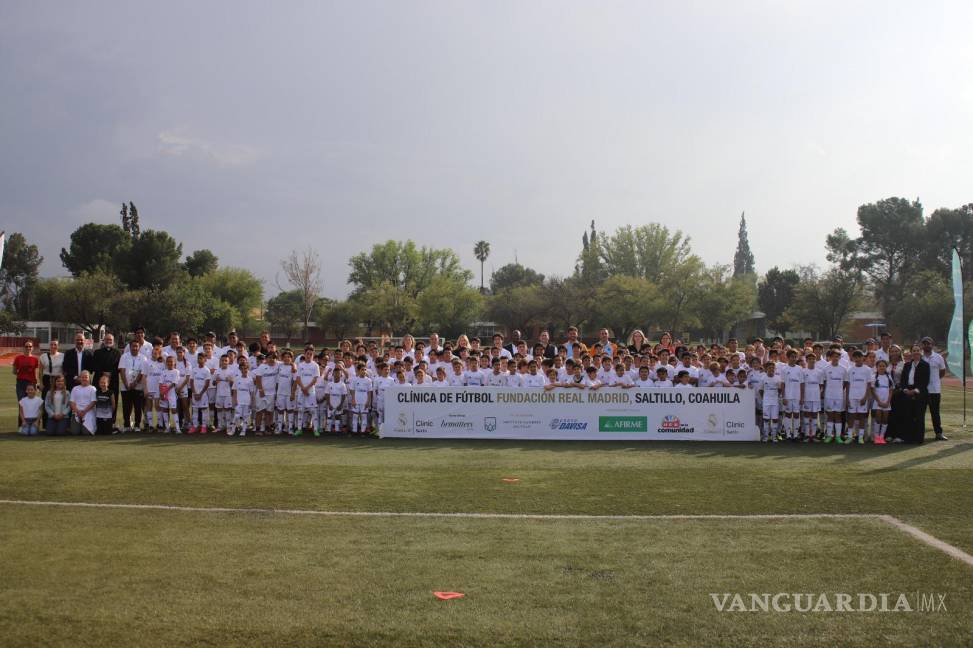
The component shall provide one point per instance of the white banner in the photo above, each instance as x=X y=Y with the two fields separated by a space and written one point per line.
x=720 y=414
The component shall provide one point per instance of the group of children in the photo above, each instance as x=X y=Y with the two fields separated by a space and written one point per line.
x=803 y=394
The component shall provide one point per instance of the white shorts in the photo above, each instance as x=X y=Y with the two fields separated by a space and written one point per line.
x=211 y=394
x=284 y=402
x=771 y=411
x=876 y=408
x=243 y=411
x=834 y=404
x=170 y=401
x=305 y=401
x=202 y=402
x=152 y=394
x=359 y=409
x=224 y=402
x=855 y=406
x=792 y=406
x=811 y=407
x=264 y=403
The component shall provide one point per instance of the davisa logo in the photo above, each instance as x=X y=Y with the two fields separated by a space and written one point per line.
x=568 y=424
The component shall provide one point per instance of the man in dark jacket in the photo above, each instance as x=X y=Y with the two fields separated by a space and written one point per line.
x=76 y=360
x=105 y=361
x=915 y=386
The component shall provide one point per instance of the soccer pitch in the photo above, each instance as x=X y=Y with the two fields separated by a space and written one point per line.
x=280 y=572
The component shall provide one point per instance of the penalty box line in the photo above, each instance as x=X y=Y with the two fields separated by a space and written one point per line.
x=891 y=520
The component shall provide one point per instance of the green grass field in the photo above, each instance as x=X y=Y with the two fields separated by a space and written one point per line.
x=96 y=576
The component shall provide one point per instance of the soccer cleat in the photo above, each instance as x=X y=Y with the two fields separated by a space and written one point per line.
x=297 y=433
x=828 y=439
x=230 y=432
x=317 y=432
x=192 y=430
x=878 y=441
x=202 y=429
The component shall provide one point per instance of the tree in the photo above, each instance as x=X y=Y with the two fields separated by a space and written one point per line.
x=151 y=261
x=389 y=308
x=624 y=304
x=403 y=266
x=285 y=312
x=200 y=263
x=822 y=303
x=924 y=306
x=238 y=288
x=512 y=275
x=481 y=250
x=889 y=247
x=303 y=272
x=567 y=302
x=90 y=301
x=94 y=248
x=947 y=229
x=341 y=318
x=743 y=259
x=649 y=251
x=681 y=292
x=775 y=295
x=723 y=300
x=448 y=305
x=589 y=269
x=517 y=307
x=18 y=275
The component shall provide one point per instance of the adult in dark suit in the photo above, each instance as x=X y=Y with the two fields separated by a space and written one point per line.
x=106 y=362
x=77 y=360
x=914 y=386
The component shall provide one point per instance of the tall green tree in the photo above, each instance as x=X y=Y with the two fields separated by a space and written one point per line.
x=743 y=258
x=624 y=303
x=822 y=303
x=924 y=306
x=512 y=275
x=448 y=305
x=200 y=263
x=889 y=247
x=236 y=287
x=481 y=250
x=389 y=308
x=403 y=266
x=94 y=247
x=723 y=300
x=775 y=294
x=19 y=275
x=947 y=229
x=151 y=261
x=341 y=318
x=517 y=307
x=285 y=313
x=650 y=251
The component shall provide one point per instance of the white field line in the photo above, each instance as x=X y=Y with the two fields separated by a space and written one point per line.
x=891 y=520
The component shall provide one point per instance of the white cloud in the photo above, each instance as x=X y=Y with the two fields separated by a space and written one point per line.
x=177 y=144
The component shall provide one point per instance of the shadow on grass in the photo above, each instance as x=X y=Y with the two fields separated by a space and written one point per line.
x=703 y=449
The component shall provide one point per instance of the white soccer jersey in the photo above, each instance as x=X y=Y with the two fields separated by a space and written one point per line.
x=497 y=379
x=813 y=379
x=534 y=381
x=474 y=378
x=268 y=378
x=648 y=383
x=793 y=378
x=834 y=381
x=244 y=389
x=336 y=390
x=858 y=381
x=361 y=388
x=771 y=388
x=200 y=376
x=285 y=376
x=456 y=380
x=308 y=374
x=224 y=382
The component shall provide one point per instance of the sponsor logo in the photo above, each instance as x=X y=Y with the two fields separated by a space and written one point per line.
x=672 y=425
x=734 y=427
x=490 y=423
x=623 y=424
x=568 y=424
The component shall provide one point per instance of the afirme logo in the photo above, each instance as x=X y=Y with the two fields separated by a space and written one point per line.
x=840 y=602
x=623 y=424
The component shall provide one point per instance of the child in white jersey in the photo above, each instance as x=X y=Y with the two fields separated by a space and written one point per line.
x=881 y=395
x=361 y=399
x=199 y=402
x=770 y=390
x=243 y=393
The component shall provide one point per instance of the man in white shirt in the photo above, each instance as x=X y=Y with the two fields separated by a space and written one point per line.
x=131 y=371
x=937 y=370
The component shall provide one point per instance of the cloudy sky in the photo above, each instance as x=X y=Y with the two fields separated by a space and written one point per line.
x=255 y=128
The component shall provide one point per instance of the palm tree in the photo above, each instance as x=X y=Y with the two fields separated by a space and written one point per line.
x=482 y=251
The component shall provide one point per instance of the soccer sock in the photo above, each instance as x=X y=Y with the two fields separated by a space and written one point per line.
x=831 y=429
x=175 y=421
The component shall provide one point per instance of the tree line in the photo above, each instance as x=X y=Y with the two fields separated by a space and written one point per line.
x=644 y=276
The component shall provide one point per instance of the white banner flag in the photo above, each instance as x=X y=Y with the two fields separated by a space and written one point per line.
x=722 y=414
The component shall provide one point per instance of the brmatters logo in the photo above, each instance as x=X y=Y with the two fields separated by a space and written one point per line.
x=672 y=425
x=568 y=424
